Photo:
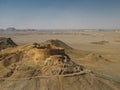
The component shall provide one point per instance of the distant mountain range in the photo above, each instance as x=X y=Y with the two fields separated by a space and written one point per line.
x=56 y=30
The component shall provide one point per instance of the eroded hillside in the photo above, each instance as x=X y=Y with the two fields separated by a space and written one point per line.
x=6 y=43
x=46 y=66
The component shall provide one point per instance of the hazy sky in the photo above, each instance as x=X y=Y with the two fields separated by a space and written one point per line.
x=60 y=14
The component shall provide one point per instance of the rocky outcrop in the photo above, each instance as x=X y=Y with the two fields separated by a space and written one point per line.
x=60 y=65
x=58 y=43
x=6 y=43
x=48 y=67
x=38 y=60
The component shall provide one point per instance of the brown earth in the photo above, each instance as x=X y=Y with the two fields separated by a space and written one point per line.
x=6 y=43
x=22 y=69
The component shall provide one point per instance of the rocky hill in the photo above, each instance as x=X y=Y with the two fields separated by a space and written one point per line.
x=47 y=67
x=6 y=43
x=58 y=43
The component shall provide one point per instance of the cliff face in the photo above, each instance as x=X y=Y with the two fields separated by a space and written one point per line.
x=6 y=43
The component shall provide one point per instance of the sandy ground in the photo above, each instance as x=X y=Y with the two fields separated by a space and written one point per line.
x=92 y=41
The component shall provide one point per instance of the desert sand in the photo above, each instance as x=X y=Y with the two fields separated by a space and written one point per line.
x=97 y=51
